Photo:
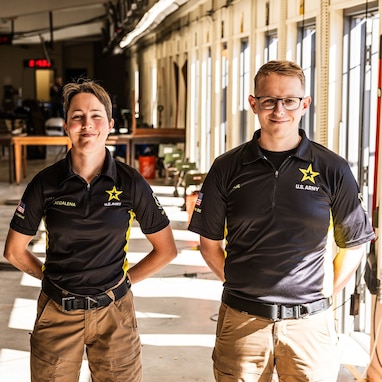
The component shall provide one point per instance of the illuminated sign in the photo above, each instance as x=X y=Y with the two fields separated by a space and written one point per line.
x=6 y=38
x=38 y=63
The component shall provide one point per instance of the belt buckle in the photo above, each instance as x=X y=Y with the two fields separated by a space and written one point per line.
x=64 y=300
x=294 y=311
x=304 y=312
x=88 y=303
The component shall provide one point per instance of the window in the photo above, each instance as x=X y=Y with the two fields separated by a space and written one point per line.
x=244 y=89
x=306 y=56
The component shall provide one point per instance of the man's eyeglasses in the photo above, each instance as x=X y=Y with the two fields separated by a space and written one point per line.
x=289 y=103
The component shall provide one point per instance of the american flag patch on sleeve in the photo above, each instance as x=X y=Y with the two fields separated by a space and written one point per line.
x=199 y=199
x=21 y=207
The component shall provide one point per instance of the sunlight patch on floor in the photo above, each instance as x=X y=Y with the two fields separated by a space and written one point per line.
x=14 y=363
x=154 y=315
x=179 y=287
x=203 y=340
x=185 y=257
x=351 y=352
x=30 y=281
x=23 y=314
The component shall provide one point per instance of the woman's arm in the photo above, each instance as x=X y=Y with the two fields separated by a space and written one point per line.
x=164 y=250
x=17 y=253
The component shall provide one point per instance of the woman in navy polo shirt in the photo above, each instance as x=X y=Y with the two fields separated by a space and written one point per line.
x=88 y=202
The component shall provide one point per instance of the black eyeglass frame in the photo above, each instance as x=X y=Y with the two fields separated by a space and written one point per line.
x=282 y=102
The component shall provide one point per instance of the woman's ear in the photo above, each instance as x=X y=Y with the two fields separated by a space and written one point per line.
x=111 y=124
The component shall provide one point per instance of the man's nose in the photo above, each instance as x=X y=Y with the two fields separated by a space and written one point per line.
x=279 y=107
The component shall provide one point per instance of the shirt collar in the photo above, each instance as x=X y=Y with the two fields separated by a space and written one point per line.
x=109 y=167
x=252 y=151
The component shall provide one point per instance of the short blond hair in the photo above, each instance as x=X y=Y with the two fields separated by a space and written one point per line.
x=281 y=67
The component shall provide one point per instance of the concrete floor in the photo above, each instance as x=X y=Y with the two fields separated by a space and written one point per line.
x=176 y=309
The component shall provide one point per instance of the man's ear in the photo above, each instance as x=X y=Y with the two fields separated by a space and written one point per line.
x=252 y=102
x=306 y=102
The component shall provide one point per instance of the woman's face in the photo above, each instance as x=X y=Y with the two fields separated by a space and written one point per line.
x=87 y=124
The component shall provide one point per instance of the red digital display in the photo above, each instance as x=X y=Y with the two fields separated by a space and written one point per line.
x=38 y=63
x=6 y=39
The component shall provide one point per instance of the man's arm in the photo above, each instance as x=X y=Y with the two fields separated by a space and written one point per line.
x=17 y=253
x=345 y=264
x=213 y=254
x=164 y=250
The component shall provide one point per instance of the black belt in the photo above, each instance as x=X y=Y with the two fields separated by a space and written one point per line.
x=275 y=312
x=71 y=301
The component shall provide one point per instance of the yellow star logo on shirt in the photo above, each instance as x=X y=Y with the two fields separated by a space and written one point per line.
x=114 y=194
x=309 y=174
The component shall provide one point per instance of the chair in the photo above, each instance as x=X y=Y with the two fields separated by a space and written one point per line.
x=194 y=179
x=166 y=148
x=163 y=149
x=54 y=126
x=182 y=169
x=169 y=163
x=5 y=126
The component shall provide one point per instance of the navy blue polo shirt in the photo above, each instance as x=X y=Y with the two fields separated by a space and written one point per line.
x=87 y=225
x=278 y=223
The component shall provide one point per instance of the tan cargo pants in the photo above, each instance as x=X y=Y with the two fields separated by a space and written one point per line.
x=249 y=348
x=109 y=335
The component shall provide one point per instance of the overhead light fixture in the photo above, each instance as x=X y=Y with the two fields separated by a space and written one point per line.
x=159 y=11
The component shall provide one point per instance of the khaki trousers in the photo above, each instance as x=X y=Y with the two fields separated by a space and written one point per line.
x=109 y=335
x=249 y=348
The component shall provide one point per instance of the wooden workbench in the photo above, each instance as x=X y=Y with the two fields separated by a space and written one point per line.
x=20 y=142
x=140 y=136
x=146 y=136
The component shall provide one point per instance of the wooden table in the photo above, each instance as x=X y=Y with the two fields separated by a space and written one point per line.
x=20 y=142
x=146 y=136
x=141 y=136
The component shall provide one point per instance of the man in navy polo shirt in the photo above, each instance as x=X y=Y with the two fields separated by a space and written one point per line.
x=277 y=202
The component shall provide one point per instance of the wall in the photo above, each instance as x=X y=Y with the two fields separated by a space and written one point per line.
x=111 y=71
x=12 y=69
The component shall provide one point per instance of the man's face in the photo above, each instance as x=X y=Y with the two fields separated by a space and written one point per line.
x=279 y=122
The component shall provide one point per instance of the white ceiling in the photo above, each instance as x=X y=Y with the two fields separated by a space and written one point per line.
x=49 y=21
x=70 y=19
